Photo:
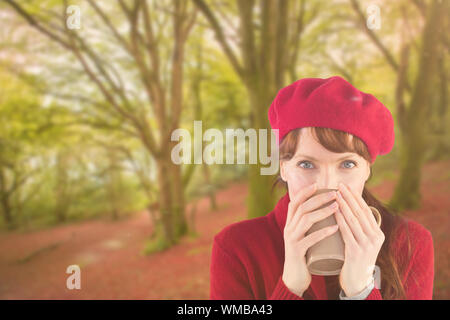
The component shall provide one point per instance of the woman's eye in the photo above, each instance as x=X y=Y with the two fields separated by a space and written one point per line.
x=349 y=164
x=307 y=164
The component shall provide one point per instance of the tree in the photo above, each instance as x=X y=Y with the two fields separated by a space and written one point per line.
x=411 y=115
x=198 y=77
x=143 y=44
x=268 y=48
x=21 y=135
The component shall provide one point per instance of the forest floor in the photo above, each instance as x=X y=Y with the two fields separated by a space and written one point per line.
x=33 y=264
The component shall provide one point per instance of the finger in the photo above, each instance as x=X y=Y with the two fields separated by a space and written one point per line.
x=363 y=204
x=370 y=218
x=350 y=218
x=316 y=236
x=346 y=233
x=360 y=208
x=312 y=204
x=299 y=198
x=364 y=213
x=315 y=202
x=308 y=219
x=357 y=197
x=369 y=215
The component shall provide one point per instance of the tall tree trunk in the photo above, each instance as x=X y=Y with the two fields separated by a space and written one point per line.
x=172 y=224
x=165 y=233
x=262 y=82
x=62 y=180
x=114 y=184
x=5 y=201
x=211 y=192
x=196 y=83
x=413 y=145
x=261 y=199
x=178 y=206
x=438 y=121
x=7 y=214
x=264 y=52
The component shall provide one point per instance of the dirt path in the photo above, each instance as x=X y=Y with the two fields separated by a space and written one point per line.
x=109 y=255
x=33 y=265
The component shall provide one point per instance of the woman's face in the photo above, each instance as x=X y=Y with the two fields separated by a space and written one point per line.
x=313 y=163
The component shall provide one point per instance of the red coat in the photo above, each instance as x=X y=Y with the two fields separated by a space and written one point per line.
x=248 y=257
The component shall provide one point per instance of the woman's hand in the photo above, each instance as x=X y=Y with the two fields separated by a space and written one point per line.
x=301 y=215
x=363 y=239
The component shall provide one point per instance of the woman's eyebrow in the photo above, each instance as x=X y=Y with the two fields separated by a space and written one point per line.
x=312 y=158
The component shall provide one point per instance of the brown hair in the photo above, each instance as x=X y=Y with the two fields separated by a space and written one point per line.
x=338 y=141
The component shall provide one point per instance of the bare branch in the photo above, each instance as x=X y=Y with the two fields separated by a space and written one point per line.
x=421 y=6
x=223 y=16
x=19 y=181
x=107 y=21
x=339 y=67
x=400 y=87
x=388 y=55
x=204 y=8
x=281 y=49
x=183 y=22
x=34 y=23
x=250 y=57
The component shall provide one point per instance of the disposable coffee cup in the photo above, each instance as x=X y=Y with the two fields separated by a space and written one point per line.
x=326 y=257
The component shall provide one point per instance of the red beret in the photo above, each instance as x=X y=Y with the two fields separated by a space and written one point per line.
x=333 y=103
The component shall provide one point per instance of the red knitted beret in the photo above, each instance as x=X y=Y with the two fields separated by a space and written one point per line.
x=333 y=103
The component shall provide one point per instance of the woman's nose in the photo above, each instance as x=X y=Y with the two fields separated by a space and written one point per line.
x=328 y=181
x=331 y=187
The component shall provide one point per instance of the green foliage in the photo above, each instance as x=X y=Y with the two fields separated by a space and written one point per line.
x=32 y=137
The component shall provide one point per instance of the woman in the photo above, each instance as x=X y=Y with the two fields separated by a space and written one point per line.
x=330 y=135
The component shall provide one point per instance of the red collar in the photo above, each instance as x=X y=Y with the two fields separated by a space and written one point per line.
x=281 y=211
